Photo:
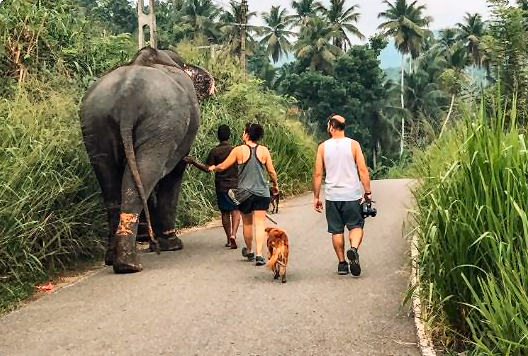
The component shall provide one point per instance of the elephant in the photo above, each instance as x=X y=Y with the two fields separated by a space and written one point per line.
x=138 y=121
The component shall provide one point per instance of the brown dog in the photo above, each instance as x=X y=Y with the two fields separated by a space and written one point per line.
x=278 y=252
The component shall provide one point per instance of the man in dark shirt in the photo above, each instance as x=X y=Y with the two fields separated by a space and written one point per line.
x=224 y=181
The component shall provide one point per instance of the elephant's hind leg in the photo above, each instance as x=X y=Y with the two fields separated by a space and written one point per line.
x=126 y=258
x=108 y=170
x=165 y=214
x=150 y=171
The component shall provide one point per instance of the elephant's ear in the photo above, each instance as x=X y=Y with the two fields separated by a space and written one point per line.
x=204 y=82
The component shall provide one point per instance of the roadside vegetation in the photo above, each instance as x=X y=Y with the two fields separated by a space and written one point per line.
x=473 y=233
x=470 y=217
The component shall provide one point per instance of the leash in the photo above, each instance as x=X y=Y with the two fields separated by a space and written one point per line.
x=231 y=195
x=270 y=219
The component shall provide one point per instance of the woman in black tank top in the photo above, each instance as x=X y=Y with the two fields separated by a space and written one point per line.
x=252 y=193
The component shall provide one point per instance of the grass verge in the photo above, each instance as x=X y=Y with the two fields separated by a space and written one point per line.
x=473 y=234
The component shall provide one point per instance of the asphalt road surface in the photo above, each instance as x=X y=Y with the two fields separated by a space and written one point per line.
x=206 y=300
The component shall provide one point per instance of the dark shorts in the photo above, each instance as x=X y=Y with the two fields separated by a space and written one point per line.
x=254 y=202
x=343 y=213
x=225 y=204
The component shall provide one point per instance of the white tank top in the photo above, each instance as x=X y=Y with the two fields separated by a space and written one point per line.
x=342 y=181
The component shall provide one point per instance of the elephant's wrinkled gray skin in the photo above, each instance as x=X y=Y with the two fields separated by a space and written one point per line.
x=138 y=122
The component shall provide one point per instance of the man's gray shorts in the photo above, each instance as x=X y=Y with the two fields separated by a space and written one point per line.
x=343 y=213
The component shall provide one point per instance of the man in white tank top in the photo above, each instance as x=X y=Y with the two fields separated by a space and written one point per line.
x=347 y=183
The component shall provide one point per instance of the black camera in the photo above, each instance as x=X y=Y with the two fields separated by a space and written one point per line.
x=367 y=209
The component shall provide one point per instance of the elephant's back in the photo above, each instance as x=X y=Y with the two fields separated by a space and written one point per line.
x=145 y=89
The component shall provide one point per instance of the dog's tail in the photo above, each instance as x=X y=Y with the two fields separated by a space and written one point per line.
x=279 y=254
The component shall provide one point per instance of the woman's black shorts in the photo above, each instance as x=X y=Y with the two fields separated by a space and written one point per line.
x=254 y=202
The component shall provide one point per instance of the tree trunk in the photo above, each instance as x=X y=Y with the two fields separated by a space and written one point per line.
x=448 y=115
x=374 y=158
x=402 y=103
x=402 y=78
x=376 y=154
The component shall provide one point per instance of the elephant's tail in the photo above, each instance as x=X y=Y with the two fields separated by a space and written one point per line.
x=126 y=136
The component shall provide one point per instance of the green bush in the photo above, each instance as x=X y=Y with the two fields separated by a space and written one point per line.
x=51 y=211
x=473 y=234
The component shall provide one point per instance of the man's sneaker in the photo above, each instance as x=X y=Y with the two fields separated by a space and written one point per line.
x=353 y=258
x=342 y=268
x=250 y=256
x=260 y=261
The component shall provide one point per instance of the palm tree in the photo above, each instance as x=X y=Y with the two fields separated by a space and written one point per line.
x=315 y=45
x=406 y=23
x=453 y=77
x=276 y=33
x=201 y=16
x=424 y=96
x=471 y=32
x=342 y=20
x=433 y=62
x=230 y=20
x=304 y=10
x=448 y=37
x=381 y=122
x=283 y=72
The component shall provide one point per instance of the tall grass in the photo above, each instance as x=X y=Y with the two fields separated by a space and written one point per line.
x=51 y=211
x=473 y=234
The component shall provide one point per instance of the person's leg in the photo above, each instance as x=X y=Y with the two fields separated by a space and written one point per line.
x=356 y=237
x=247 y=222
x=260 y=207
x=336 y=227
x=247 y=228
x=226 y=223
x=354 y=222
x=223 y=203
x=235 y=222
x=338 y=241
x=259 y=217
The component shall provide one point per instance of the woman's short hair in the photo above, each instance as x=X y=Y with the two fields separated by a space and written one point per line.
x=254 y=131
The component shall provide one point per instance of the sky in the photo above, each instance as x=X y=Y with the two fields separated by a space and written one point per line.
x=446 y=13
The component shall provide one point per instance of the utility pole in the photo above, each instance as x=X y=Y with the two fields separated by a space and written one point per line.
x=245 y=10
x=147 y=20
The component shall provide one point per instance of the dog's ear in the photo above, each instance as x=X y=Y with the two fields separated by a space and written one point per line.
x=268 y=229
x=280 y=233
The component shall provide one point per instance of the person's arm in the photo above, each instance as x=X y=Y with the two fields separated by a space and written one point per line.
x=228 y=162
x=318 y=178
x=362 y=168
x=271 y=172
x=199 y=165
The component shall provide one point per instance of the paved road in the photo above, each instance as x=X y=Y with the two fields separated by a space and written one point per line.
x=205 y=300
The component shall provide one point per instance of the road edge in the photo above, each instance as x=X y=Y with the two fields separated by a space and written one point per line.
x=425 y=341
